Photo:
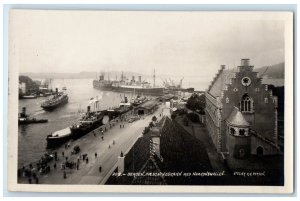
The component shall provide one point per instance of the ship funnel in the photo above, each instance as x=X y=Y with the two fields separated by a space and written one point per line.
x=126 y=100
x=133 y=79
x=101 y=77
x=140 y=78
x=88 y=108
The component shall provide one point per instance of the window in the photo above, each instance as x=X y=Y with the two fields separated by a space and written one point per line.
x=242 y=132
x=235 y=89
x=232 y=131
x=227 y=100
x=266 y=87
x=257 y=89
x=246 y=104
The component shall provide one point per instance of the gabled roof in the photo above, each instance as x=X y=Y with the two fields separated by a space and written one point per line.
x=220 y=82
x=236 y=118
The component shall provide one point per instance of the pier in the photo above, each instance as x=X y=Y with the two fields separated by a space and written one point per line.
x=116 y=139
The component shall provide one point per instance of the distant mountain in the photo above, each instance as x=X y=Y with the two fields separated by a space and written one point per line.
x=274 y=71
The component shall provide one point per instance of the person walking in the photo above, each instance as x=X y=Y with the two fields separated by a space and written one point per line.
x=102 y=138
x=87 y=160
x=65 y=175
x=63 y=154
x=100 y=168
x=95 y=154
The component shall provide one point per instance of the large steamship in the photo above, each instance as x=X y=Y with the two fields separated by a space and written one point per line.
x=125 y=85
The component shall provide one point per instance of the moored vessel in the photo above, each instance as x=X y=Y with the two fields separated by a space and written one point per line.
x=124 y=85
x=90 y=121
x=58 y=137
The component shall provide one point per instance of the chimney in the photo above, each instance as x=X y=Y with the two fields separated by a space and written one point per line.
x=140 y=78
x=245 y=62
x=121 y=163
x=155 y=138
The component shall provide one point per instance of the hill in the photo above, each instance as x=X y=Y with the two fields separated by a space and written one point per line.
x=274 y=71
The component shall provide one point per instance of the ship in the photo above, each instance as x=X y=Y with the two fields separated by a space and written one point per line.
x=58 y=99
x=89 y=122
x=26 y=119
x=58 y=137
x=125 y=85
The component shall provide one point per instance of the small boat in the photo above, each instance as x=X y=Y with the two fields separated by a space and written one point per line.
x=31 y=96
x=58 y=137
x=25 y=119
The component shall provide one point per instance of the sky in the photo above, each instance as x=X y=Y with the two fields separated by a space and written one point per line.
x=172 y=43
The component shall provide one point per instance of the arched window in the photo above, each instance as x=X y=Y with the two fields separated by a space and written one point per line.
x=242 y=132
x=246 y=104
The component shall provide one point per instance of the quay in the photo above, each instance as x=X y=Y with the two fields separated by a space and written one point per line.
x=116 y=139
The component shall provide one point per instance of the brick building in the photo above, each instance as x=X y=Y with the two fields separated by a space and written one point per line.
x=241 y=113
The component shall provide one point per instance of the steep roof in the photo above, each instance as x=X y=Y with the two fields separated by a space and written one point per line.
x=148 y=105
x=220 y=82
x=236 y=118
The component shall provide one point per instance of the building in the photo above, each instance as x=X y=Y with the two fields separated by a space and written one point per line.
x=147 y=107
x=241 y=113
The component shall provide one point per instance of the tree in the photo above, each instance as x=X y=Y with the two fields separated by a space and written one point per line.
x=196 y=102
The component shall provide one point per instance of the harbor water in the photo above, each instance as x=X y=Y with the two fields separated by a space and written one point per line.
x=32 y=138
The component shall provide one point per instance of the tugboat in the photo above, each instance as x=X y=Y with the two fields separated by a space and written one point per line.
x=25 y=119
x=59 y=98
x=58 y=137
x=90 y=121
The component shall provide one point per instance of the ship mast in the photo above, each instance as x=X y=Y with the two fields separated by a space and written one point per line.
x=154 y=78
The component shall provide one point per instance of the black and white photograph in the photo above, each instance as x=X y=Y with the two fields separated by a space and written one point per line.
x=117 y=100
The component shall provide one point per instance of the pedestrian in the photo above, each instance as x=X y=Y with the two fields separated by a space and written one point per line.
x=54 y=165
x=95 y=154
x=120 y=126
x=66 y=158
x=87 y=160
x=100 y=169
x=109 y=146
x=63 y=154
x=65 y=175
x=102 y=138
x=113 y=142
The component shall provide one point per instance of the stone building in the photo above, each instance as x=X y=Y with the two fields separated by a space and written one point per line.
x=241 y=113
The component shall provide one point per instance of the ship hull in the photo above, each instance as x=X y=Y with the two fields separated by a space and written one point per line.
x=146 y=91
x=56 y=141
x=33 y=121
x=54 y=106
